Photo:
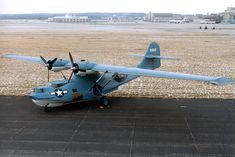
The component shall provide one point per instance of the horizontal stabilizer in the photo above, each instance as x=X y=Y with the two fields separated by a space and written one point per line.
x=151 y=56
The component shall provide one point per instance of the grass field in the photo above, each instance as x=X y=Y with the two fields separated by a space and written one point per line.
x=200 y=52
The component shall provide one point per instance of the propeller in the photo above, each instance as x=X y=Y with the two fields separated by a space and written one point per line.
x=48 y=64
x=74 y=67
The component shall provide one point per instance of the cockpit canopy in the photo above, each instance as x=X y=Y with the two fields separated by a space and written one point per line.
x=38 y=90
x=57 y=84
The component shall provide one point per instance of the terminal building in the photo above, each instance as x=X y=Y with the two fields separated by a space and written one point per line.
x=70 y=19
x=161 y=17
x=229 y=15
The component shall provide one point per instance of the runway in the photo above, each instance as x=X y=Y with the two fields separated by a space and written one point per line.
x=129 y=128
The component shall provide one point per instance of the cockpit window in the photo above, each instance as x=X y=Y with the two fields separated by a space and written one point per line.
x=58 y=85
x=38 y=90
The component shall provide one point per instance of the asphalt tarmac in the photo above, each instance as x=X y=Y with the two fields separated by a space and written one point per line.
x=130 y=127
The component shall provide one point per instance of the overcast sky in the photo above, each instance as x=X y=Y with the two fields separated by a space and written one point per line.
x=77 y=6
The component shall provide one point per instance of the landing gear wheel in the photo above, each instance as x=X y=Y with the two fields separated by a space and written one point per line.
x=47 y=108
x=104 y=102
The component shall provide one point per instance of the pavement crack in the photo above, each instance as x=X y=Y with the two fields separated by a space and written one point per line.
x=78 y=125
x=192 y=136
x=190 y=131
x=133 y=133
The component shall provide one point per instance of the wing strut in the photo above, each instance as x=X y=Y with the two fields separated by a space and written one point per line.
x=98 y=80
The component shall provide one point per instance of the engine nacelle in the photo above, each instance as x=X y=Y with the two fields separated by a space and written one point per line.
x=88 y=72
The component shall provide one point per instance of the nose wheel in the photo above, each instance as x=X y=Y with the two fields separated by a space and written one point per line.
x=47 y=108
x=104 y=102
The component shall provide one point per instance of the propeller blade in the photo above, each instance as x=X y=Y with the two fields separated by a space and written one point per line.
x=49 y=65
x=43 y=59
x=74 y=66
x=48 y=75
x=71 y=58
x=52 y=61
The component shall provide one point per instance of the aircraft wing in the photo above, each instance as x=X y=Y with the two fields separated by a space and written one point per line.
x=160 y=74
x=57 y=66
x=26 y=58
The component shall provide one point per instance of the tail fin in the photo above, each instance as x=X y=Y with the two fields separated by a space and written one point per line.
x=151 y=58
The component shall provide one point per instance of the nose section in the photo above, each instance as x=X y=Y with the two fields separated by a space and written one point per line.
x=39 y=102
x=40 y=96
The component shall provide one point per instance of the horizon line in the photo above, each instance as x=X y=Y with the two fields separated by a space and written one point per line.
x=108 y=12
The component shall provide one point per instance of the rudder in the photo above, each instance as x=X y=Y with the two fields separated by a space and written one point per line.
x=151 y=60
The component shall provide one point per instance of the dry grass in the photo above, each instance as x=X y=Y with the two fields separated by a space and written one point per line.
x=208 y=53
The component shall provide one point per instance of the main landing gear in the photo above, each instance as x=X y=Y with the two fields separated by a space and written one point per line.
x=47 y=108
x=104 y=102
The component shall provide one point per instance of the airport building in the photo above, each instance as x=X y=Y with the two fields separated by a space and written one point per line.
x=70 y=19
x=166 y=17
x=229 y=15
x=149 y=17
x=161 y=17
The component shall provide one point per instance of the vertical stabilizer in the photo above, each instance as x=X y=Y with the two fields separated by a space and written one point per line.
x=151 y=58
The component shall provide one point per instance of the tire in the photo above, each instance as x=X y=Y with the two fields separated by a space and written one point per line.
x=104 y=101
x=47 y=109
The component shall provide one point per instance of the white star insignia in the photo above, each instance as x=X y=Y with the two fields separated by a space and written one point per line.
x=59 y=93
